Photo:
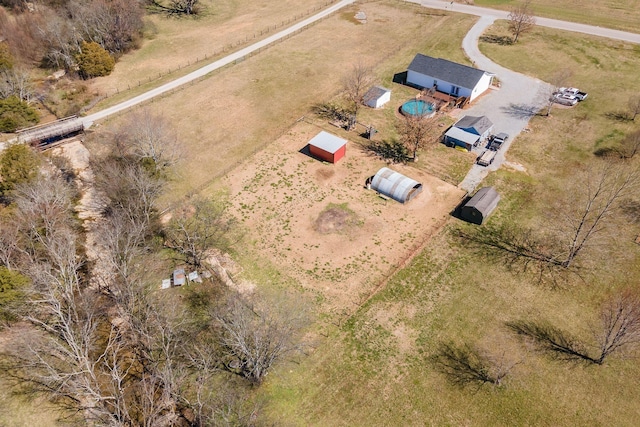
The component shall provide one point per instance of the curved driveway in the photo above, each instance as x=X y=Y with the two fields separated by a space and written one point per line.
x=543 y=22
x=510 y=108
x=520 y=97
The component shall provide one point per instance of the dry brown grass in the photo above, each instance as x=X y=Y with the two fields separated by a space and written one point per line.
x=225 y=118
x=619 y=14
x=375 y=369
x=319 y=225
x=173 y=42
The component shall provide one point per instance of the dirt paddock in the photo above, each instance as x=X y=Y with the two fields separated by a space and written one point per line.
x=319 y=223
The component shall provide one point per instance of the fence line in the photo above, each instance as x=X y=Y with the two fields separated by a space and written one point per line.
x=228 y=47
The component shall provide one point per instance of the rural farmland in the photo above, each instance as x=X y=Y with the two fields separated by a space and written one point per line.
x=378 y=305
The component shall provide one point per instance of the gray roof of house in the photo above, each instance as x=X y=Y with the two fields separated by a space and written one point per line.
x=479 y=123
x=395 y=185
x=374 y=93
x=327 y=142
x=442 y=69
x=485 y=200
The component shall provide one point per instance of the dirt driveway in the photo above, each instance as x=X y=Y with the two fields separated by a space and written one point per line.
x=318 y=222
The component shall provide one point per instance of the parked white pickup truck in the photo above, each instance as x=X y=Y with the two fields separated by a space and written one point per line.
x=575 y=92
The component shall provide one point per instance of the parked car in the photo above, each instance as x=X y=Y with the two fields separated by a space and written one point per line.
x=487 y=158
x=563 y=99
x=496 y=141
x=575 y=92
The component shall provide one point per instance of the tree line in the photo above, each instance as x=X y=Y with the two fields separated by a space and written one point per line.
x=85 y=321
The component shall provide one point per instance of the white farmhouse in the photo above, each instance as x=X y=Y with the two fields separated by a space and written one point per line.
x=448 y=77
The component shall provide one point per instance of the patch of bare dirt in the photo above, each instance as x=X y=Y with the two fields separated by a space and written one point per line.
x=334 y=220
x=318 y=223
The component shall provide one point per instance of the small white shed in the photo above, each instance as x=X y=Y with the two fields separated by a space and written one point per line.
x=377 y=96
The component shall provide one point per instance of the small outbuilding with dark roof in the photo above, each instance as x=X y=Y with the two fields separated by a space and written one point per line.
x=480 y=206
x=327 y=147
x=468 y=131
x=448 y=77
x=394 y=185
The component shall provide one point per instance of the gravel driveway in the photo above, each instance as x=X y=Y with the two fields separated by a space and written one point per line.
x=509 y=108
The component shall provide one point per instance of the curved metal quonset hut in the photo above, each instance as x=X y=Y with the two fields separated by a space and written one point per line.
x=395 y=185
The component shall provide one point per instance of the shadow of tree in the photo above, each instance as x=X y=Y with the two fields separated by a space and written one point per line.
x=494 y=39
x=619 y=116
x=521 y=111
x=392 y=150
x=465 y=365
x=552 y=340
x=519 y=249
x=631 y=209
x=607 y=152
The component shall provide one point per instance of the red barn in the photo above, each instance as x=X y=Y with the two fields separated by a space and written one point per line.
x=327 y=147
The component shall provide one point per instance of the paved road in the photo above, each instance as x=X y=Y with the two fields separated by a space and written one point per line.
x=88 y=120
x=543 y=22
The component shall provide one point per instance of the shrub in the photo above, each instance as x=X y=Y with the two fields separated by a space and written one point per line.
x=18 y=164
x=15 y=114
x=94 y=61
x=6 y=59
x=12 y=286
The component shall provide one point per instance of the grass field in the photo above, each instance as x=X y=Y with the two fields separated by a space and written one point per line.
x=225 y=118
x=376 y=368
x=619 y=14
x=373 y=368
x=172 y=43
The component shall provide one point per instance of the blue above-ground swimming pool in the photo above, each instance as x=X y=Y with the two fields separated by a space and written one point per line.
x=417 y=107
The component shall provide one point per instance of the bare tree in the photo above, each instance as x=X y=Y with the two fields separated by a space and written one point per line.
x=188 y=7
x=415 y=132
x=254 y=338
x=355 y=85
x=198 y=228
x=574 y=225
x=619 y=328
x=177 y=7
x=17 y=82
x=521 y=20
x=60 y=39
x=127 y=186
x=630 y=145
x=152 y=139
x=620 y=324
x=60 y=354
x=634 y=106
x=557 y=80
x=594 y=203
x=9 y=232
x=115 y=25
